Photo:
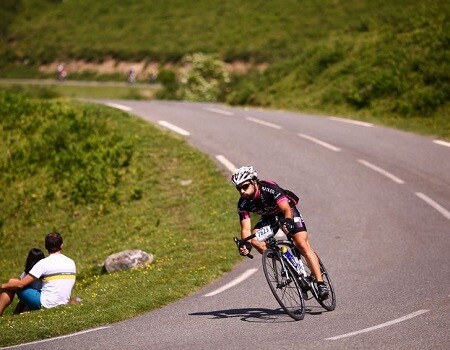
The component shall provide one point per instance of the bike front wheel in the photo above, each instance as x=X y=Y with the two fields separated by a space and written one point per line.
x=284 y=285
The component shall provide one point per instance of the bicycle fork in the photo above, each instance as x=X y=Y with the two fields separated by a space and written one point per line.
x=285 y=275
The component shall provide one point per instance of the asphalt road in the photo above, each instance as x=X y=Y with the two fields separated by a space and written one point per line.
x=376 y=203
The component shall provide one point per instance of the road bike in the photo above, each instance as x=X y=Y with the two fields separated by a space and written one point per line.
x=288 y=274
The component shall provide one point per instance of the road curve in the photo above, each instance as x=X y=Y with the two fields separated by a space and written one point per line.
x=376 y=203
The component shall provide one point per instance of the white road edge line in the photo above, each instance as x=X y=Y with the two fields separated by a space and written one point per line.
x=55 y=338
x=226 y=163
x=381 y=171
x=262 y=122
x=434 y=204
x=321 y=143
x=118 y=106
x=390 y=323
x=234 y=282
x=350 y=121
x=173 y=128
x=442 y=143
x=219 y=111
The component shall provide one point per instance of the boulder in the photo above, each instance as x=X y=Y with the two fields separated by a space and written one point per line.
x=127 y=259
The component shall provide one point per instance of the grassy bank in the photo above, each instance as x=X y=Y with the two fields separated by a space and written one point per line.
x=107 y=182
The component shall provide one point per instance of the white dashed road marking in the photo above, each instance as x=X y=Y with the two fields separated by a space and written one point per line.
x=225 y=162
x=219 y=111
x=434 y=204
x=381 y=171
x=350 y=121
x=320 y=142
x=442 y=143
x=262 y=122
x=173 y=128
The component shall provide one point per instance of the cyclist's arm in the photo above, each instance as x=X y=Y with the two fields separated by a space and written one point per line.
x=246 y=230
x=286 y=209
x=287 y=213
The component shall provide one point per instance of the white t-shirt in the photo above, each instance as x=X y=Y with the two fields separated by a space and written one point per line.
x=57 y=272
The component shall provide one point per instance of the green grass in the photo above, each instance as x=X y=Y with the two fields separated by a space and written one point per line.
x=136 y=198
x=98 y=91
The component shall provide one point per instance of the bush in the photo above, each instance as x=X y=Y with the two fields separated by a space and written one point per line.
x=83 y=156
x=168 y=79
x=204 y=79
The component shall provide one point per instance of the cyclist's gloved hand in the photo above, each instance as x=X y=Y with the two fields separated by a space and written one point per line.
x=242 y=246
x=287 y=225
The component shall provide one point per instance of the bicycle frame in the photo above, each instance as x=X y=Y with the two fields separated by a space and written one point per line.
x=304 y=279
x=274 y=244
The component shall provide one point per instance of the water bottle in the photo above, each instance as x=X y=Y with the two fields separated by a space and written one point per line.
x=292 y=259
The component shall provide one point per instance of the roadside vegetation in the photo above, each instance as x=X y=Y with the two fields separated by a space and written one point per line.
x=108 y=182
x=381 y=61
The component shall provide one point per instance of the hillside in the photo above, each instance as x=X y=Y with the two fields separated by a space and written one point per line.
x=370 y=59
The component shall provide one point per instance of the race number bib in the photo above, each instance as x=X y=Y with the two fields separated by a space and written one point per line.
x=264 y=233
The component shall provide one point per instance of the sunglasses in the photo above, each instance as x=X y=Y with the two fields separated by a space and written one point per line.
x=243 y=187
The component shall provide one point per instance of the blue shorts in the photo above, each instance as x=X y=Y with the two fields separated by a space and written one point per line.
x=31 y=297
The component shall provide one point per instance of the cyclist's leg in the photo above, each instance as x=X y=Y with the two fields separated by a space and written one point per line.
x=301 y=241
x=300 y=238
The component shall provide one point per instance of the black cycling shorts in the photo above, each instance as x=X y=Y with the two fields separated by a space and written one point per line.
x=266 y=220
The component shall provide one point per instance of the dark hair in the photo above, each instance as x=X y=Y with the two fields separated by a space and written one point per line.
x=53 y=242
x=34 y=255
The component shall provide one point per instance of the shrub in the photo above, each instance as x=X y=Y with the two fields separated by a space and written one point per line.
x=205 y=79
x=168 y=79
x=83 y=156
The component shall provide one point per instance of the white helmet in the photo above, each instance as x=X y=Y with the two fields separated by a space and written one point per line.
x=243 y=174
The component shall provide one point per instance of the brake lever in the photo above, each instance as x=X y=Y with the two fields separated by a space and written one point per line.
x=236 y=240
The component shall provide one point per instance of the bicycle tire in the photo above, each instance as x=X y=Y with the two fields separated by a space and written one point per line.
x=328 y=304
x=284 y=285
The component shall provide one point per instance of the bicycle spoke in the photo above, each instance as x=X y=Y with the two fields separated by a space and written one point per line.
x=283 y=286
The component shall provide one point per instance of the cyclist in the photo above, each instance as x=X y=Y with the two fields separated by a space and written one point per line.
x=270 y=201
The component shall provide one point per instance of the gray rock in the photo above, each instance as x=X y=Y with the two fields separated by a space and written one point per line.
x=127 y=259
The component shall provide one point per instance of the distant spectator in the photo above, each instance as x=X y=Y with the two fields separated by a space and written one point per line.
x=61 y=72
x=131 y=75
x=57 y=272
x=7 y=296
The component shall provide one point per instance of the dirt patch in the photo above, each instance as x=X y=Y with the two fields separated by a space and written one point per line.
x=106 y=67
x=142 y=69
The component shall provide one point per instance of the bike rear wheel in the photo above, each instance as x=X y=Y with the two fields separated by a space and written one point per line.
x=328 y=304
x=284 y=285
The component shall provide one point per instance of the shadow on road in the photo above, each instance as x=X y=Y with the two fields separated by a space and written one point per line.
x=253 y=314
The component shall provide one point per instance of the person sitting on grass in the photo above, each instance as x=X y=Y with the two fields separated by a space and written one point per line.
x=57 y=272
x=7 y=296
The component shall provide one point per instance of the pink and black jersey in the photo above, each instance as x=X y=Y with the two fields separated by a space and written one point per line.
x=266 y=203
